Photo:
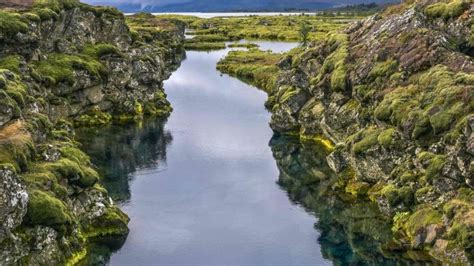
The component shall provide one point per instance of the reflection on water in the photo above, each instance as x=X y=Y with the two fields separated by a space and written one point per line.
x=353 y=232
x=119 y=151
x=215 y=193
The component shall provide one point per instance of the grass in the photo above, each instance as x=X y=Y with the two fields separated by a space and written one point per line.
x=204 y=46
x=453 y=9
x=254 y=66
x=247 y=45
x=283 y=28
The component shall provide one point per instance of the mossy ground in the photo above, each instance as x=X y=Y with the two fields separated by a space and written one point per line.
x=255 y=67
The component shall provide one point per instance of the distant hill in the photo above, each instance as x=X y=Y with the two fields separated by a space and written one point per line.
x=227 y=6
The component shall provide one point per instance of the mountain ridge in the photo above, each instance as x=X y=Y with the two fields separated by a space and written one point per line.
x=231 y=5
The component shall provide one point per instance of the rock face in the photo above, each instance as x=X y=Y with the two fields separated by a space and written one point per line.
x=65 y=64
x=395 y=92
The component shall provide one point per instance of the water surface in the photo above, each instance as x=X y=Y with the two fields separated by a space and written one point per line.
x=206 y=187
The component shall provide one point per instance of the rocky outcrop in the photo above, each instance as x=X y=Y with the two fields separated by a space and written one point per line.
x=65 y=64
x=395 y=93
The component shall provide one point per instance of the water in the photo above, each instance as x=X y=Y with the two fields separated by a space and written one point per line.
x=231 y=14
x=212 y=186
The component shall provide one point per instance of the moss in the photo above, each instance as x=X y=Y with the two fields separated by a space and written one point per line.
x=77 y=257
x=397 y=196
x=77 y=173
x=44 y=209
x=99 y=50
x=95 y=117
x=45 y=14
x=384 y=69
x=335 y=64
x=60 y=67
x=435 y=166
x=386 y=137
x=11 y=62
x=357 y=188
x=420 y=219
x=399 y=220
x=112 y=223
x=16 y=150
x=11 y=24
x=368 y=140
x=56 y=5
x=453 y=9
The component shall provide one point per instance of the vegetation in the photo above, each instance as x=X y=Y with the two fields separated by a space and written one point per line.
x=59 y=68
x=204 y=46
x=453 y=9
x=255 y=67
x=283 y=28
x=11 y=24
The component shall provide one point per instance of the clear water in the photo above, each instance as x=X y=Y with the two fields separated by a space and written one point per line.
x=212 y=186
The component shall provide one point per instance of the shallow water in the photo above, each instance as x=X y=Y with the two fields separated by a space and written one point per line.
x=206 y=188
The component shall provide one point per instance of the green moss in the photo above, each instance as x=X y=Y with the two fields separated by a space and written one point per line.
x=369 y=138
x=112 y=223
x=11 y=24
x=99 y=50
x=95 y=117
x=56 y=5
x=77 y=173
x=357 y=188
x=44 y=209
x=399 y=220
x=11 y=62
x=384 y=69
x=453 y=9
x=45 y=13
x=60 y=67
x=435 y=166
x=386 y=137
x=396 y=195
x=420 y=219
x=335 y=64
x=17 y=150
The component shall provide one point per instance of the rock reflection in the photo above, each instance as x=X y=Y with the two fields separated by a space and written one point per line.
x=353 y=232
x=119 y=151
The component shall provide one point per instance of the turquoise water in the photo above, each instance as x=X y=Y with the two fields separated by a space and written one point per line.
x=211 y=185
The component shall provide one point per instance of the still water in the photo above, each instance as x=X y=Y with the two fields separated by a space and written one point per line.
x=213 y=186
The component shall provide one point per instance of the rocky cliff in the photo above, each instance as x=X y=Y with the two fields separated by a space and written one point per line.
x=65 y=64
x=395 y=94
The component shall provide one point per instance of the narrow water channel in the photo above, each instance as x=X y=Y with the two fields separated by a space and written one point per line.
x=206 y=188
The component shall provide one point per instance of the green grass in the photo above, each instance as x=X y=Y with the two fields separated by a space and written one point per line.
x=204 y=46
x=254 y=66
x=453 y=9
